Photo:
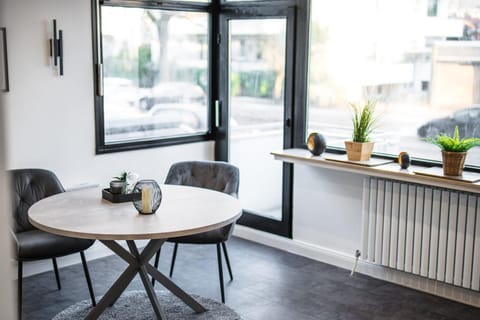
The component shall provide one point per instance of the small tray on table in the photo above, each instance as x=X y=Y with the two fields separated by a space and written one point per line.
x=120 y=197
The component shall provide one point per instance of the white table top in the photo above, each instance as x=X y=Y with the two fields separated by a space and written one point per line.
x=183 y=211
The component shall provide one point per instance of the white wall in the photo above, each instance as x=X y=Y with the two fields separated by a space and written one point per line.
x=6 y=276
x=50 y=119
x=327 y=208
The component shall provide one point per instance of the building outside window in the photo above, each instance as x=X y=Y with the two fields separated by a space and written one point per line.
x=423 y=68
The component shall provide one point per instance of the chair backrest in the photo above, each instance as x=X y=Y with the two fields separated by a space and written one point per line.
x=214 y=175
x=30 y=186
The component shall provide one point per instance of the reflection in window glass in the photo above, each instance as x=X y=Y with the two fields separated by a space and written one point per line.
x=155 y=73
x=424 y=73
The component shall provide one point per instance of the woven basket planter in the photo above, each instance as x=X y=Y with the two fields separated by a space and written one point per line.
x=453 y=163
x=358 y=151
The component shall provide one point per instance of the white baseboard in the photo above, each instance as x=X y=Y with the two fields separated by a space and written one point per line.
x=343 y=260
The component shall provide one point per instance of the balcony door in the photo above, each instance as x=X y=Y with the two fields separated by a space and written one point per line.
x=255 y=111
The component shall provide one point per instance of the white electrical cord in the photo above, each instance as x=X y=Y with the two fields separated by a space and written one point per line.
x=357 y=255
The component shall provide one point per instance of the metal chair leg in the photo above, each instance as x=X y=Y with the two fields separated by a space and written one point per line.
x=57 y=275
x=220 y=272
x=19 y=289
x=87 y=276
x=173 y=258
x=224 y=246
x=157 y=260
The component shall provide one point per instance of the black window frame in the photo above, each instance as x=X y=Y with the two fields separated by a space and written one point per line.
x=208 y=7
x=213 y=8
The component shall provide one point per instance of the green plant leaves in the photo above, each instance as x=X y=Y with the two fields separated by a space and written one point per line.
x=364 y=121
x=122 y=177
x=454 y=144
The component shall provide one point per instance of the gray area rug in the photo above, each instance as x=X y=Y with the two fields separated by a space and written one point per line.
x=135 y=305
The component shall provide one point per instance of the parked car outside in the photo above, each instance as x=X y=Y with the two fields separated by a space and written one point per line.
x=161 y=120
x=467 y=120
x=120 y=91
x=172 y=92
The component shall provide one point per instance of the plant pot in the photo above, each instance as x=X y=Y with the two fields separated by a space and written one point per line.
x=359 y=151
x=453 y=163
x=117 y=187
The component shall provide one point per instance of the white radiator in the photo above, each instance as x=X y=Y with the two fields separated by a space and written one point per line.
x=427 y=231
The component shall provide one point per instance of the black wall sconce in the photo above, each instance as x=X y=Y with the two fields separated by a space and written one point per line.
x=4 y=78
x=56 y=48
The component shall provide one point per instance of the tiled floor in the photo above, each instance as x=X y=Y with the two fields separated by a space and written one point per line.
x=268 y=284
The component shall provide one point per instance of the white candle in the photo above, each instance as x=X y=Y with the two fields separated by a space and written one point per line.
x=146 y=200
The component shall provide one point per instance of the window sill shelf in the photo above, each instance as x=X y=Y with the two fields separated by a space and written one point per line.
x=389 y=171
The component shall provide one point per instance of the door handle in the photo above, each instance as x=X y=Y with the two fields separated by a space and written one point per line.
x=288 y=122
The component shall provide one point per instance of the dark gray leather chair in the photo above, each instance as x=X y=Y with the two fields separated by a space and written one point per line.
x=219 y=176
x=30 y=186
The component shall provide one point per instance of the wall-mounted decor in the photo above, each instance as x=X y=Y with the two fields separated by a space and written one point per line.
x=4 y=82
x=56 y=48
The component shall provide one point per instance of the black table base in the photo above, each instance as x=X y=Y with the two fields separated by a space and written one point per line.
x=138 y=262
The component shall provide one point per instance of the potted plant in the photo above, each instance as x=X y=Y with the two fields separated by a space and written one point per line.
x=364 y=122
x=454 y=151
x=119 y=185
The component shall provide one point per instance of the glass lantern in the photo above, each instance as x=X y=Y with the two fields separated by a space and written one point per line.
x=151 y=196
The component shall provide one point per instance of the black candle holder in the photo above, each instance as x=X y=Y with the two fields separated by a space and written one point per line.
x=151 y=196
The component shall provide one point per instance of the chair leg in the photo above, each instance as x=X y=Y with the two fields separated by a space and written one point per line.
x=220 y=272
x=87 y=276
x=157 y=260
x=224 y=246
x=57 y=275
x=173 y=258
x=19 y=289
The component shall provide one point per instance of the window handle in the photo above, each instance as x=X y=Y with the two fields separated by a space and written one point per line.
x=100 y=79
x=288 y=123
x=218 y=107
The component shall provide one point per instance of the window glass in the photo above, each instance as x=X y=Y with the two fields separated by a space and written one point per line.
x=257 y=53
x=249 y=0
x=155 y=65
x=419 y=59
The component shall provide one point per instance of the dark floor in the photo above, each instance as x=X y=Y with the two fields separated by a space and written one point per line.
x=268 y=284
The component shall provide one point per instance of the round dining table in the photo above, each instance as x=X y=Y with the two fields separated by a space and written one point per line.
x=183 y=211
